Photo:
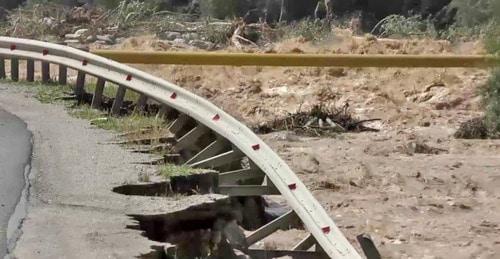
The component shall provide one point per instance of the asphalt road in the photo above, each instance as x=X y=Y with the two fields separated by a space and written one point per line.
x=15 y=152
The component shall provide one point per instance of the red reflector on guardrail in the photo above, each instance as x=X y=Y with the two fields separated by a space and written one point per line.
x=129 y=77
x=256 y=147
x=45 y=52
x=173 y=96
x=13 y=47
x=216 y=117
x=325 y=230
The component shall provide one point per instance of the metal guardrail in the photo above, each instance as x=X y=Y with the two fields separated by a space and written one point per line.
x=297 y=60
x=206 y=118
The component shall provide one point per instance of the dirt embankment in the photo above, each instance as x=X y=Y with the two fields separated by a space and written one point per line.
x=416 y=189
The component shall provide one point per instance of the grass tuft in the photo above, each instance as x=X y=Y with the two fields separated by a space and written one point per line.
x=170 y=170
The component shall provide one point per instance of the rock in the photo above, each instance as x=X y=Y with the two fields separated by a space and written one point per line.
x=49 y=22
x=274 y=209
x=191 y=36
x=255 y=86
x=90 y=39
x=179 y=41
x=72 y=42
x=418 y=147
x=275 y=91
x=108 y=39
x=235 y=235
x=200 y=44
x=359 y=176
x=71 y=36
x=79 y=33
x=101 y=42
x=169 y=35
x=424 y=124
x=308 y=164
x=336 y=72
x=286 y=136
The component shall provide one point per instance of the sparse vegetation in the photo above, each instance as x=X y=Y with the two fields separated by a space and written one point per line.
x=402 y=26
x=491 y=94
x=129 y=123
x=110 y=91
x=124 y=124
x=170 y=170
x=320 y=120
x=308 y=29
x=130 y=13
x=217 y=34
x=85 y=112
x=491 y=97
x=42 y=92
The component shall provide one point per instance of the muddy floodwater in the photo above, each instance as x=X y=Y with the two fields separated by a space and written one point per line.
x=15 y=153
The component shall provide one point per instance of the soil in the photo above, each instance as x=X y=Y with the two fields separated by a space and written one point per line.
x=418 y=191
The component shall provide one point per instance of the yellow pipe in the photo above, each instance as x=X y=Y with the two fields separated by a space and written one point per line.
x=297 y=60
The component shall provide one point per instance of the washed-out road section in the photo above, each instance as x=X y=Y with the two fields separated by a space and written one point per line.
x=71 y=210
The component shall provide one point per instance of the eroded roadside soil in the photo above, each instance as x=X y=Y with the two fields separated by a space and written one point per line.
x=72 y=211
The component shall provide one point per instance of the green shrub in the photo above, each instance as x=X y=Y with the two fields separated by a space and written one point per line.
x=129 y=13
x=492 y=39
x=217 y=34
x=474 y=12
x=309 y=29
x=402 y=26
x=491 y=96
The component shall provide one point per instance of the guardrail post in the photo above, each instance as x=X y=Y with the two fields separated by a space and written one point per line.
x=63 y=72
x=63 y=75
x=79 y=87
x=45 y=72
x=117 y=104
x=30 y=70
x=80 y=82
x=14 y=69
x=99 y=89
x=2 y=68
x=141 y=103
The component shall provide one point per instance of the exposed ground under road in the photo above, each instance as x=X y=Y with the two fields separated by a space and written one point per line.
x=15 y=152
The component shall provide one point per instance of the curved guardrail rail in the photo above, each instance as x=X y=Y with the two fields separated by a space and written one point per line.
x=197 y=118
